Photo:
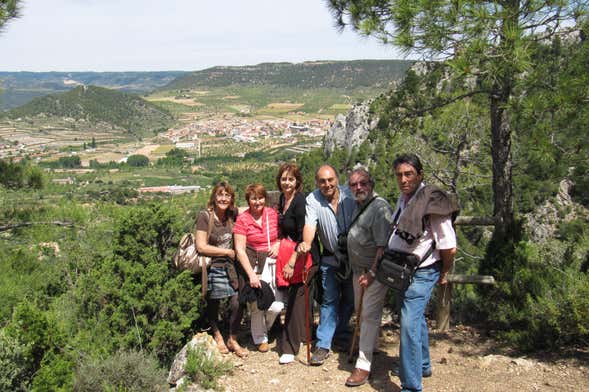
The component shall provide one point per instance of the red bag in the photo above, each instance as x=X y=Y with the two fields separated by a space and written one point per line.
x=304 y=261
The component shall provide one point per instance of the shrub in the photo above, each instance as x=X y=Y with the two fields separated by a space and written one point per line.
x=55 y=374
x=14 y=374
x=203 y=369
x=138 y=160
x=124 y=371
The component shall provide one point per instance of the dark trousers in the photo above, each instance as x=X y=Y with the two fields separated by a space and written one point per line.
x=235 y=318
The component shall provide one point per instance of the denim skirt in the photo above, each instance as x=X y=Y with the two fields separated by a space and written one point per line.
x=219 y=285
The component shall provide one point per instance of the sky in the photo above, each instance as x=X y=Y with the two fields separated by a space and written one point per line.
x=147 y=35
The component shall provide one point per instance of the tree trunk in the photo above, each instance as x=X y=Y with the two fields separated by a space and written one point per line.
x=502 y=163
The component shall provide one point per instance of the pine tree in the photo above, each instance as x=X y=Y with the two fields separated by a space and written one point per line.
x=488 y=42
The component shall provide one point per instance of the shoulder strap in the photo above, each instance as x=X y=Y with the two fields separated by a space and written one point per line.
x=361 y=211
x=203 y=274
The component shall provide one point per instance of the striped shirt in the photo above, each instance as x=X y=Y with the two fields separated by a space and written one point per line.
x=320 y=214
x=256 y=235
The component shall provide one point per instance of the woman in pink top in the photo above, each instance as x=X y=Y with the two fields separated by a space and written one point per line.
x=256 y=245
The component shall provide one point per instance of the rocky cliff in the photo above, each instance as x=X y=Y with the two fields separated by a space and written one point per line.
x=350 y=130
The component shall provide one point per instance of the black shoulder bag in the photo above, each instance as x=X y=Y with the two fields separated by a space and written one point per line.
x=396 y=268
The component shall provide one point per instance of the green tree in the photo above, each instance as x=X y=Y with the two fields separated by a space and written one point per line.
x=138 y=160
x=486 y=43
x=8 y=9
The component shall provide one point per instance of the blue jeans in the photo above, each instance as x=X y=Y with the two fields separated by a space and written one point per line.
x=336 y=308
x=414 y=347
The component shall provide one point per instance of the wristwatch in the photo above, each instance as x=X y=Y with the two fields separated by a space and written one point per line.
x=372 y=273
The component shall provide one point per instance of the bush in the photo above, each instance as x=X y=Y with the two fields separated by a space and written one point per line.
x=203 y=369
x=14 y=374
x=55 y=374
x=542 y=300
x=138 y=160
x=124 y=371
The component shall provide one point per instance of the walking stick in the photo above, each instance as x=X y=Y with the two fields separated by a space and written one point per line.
x=307 y=315
x=357 y=327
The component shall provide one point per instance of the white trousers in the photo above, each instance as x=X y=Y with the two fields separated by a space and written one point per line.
x=262 y=320
x=372 y=304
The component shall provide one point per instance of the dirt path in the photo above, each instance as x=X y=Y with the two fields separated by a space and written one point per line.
x=462 y=361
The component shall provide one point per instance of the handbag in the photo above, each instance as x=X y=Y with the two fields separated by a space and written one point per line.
x=186 y=256
x=302 y=263
x=396 y=269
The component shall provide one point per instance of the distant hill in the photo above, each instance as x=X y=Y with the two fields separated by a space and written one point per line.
x=97 y=104
x=19 y=88
x=312 y=74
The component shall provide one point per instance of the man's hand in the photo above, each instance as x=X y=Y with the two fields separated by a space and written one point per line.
x=447 y=256
x=365 y=280
x=443 y=278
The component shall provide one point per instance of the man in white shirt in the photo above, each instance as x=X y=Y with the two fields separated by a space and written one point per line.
x=438 y=233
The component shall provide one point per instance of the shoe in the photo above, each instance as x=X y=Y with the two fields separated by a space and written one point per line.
x=319 y=356
x=263 y=347
x=237 y=349
x=286 y=358
x=357 y=378
x=395 y=371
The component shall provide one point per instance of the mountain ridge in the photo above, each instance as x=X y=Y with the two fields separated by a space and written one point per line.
x=98 y=104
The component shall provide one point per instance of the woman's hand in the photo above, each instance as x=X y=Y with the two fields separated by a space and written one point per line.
x=288 y=271
x=231 y=254
x=273 y=252
x=255 y=281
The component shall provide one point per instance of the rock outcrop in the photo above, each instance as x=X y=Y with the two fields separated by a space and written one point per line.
x=177 y=375
x=351 y=130
x=542 y=224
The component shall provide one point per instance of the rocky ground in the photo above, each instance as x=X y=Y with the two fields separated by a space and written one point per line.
x=463 y=360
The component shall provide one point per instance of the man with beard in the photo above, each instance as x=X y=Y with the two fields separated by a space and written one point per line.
x=329 y=213
x=367 y=239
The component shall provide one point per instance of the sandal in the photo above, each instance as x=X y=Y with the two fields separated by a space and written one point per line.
x=237 y=349
x=221 y=345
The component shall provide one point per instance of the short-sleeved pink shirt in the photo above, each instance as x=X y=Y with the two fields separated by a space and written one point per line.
x=256 y=235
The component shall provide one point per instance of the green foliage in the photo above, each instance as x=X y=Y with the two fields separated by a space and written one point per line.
x=131 y=371
x=174 y=158
x=133 y=295
x=204 y=369
x=14 y=375
x=70 y=162
x=55 y=374
x=20 y=175
x=8 y=9
x=138 y=160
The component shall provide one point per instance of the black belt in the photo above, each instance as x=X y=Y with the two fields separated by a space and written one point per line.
x=326 y=252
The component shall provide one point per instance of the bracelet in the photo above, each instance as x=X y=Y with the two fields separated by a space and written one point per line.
x=372 y=273
x=291 y=265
